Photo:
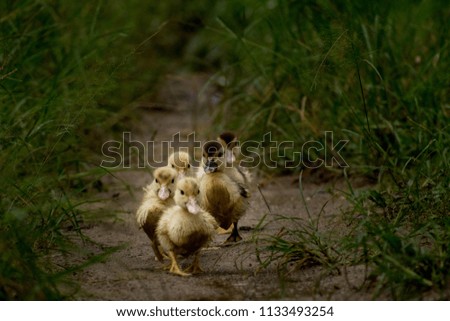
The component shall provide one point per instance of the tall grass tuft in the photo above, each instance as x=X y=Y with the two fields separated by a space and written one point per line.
x=48 y=85
x=67 y=69
x=375 y=74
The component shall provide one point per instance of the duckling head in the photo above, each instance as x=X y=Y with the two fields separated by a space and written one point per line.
x=231 y=144
x=186 y=195
x=165 y=180
x=213 y=157
x=180 y=161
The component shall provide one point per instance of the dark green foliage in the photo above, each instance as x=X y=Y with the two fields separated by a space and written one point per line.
x=374 y=73
x=59 y=63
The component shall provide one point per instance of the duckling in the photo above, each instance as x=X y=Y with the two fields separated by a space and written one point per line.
x=185 y=228
x=181 y=162
x=158 y=196
x=220 y=195
x=231 y=146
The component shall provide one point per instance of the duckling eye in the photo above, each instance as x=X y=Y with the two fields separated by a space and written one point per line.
x=173 y=180
x=173 y=166
x=189 y=165
x=182 y=192
x=156 y=180
x=198 y=192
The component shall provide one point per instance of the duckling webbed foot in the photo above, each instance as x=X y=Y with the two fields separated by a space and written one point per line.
x=195 y=268
x=221 y=231
x=234 y=237
x=174 y=268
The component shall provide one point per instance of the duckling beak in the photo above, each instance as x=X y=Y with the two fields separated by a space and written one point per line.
x=229 y=156
x=163 y=193
x=181 y=174
x=210 y=166
x=192 y=206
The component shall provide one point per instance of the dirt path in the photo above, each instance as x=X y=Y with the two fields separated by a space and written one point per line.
x=231 y=273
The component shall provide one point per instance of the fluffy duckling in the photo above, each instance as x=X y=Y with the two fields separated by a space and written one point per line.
x=158 y=196
x=185 y=228
x=231 y=146
x=220 y=195
x=181 y=162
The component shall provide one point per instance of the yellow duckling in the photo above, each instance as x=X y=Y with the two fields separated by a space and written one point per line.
x=220 y=195
x=181 y=162
x=185 y=228
x=158 y=196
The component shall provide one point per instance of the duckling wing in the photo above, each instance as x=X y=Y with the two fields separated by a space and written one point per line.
x=238 y=178
x=149 y=214
x=239 y=200
x=243 y=191
x=246 y=174
x=147 y=211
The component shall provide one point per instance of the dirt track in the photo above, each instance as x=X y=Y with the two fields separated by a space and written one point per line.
x=231 y=273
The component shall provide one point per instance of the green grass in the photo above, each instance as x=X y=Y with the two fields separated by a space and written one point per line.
x=47 y=89
x=373 y=73
x=67 y=69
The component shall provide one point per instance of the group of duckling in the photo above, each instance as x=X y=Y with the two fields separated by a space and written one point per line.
x=184 y=206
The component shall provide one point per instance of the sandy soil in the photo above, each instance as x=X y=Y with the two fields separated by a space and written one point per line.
x=231 y=272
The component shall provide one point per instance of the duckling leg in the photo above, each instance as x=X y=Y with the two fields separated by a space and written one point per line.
x=163 y=253
x=195 y=268
x=234 y=237
x=158 y=255
x=174 y=268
